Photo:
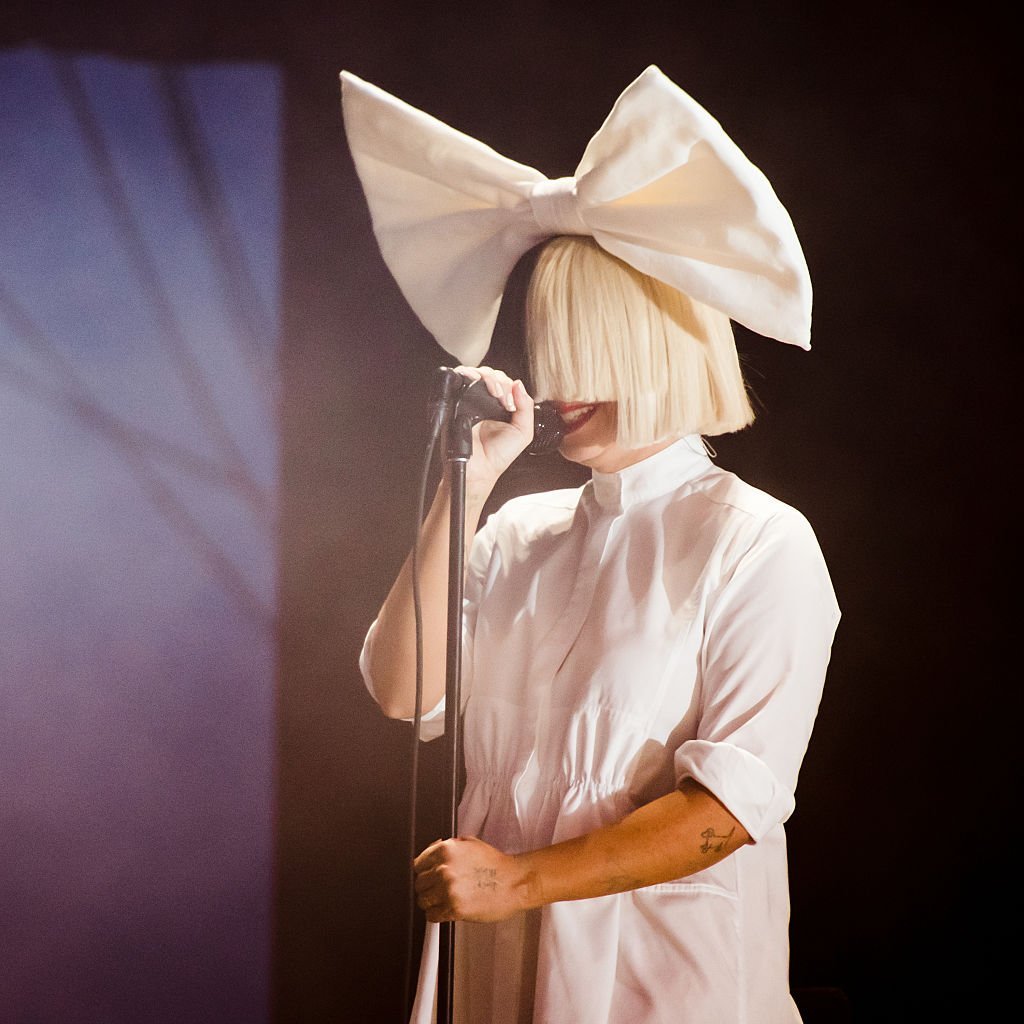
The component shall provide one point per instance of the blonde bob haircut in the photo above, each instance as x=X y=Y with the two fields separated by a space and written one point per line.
x=599 y=331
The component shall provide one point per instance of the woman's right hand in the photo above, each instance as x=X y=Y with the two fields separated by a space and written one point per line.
x=496 y=445
x=393 y=656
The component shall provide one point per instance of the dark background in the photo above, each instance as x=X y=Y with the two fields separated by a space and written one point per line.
x=887 y=133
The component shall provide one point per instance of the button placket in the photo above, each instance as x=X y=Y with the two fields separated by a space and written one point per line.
x=535 y=777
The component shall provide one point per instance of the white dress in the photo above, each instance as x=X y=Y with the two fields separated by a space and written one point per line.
x=664 y=622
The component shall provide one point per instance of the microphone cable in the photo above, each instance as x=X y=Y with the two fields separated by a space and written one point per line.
x=548 y=432
x=449 y=382
x=439 y=409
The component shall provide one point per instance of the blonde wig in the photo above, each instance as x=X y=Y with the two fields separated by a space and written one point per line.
x=599 y=331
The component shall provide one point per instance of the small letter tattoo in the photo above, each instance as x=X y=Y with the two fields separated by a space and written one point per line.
x=486 y=878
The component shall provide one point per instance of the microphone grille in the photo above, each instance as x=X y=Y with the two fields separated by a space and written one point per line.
x=548 y=429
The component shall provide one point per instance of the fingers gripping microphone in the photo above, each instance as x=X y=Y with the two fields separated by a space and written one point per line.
x=473 y=403
x=477 y=403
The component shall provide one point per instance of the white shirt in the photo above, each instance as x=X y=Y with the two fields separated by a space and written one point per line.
x=664 y=622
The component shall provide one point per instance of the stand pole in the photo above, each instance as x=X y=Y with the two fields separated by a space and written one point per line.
x=460 y=448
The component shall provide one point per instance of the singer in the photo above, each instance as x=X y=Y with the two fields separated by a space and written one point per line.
x=644 y=656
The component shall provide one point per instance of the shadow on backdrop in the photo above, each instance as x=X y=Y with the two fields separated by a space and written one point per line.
x=138 y=388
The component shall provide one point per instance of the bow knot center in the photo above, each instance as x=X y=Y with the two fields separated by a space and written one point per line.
x=555 y=208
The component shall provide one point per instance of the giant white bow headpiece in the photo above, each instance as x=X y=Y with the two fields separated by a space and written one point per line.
x=660 y=186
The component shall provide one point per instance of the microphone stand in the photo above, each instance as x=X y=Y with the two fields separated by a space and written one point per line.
x=459 y=449
x=466 y=406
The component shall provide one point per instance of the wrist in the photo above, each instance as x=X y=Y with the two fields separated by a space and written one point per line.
x=527 y=881
x=479 y=483
x=477 y=493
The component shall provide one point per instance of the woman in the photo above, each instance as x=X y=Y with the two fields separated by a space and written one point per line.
x=643 y=664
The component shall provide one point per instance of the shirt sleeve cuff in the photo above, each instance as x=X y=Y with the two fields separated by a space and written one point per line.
x=744 y=784
x=431 y=721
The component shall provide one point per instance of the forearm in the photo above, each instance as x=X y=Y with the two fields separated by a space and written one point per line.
x=672 y=837
x=392 y=657
x=392 y=661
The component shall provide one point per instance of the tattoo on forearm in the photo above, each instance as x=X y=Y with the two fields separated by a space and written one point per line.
x=709 y=836
x=486 y=878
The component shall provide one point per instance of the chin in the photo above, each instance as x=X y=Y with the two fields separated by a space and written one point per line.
x=583 y=454
x=604 y=457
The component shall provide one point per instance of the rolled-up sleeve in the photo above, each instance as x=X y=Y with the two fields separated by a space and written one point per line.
x=768 y=639
x=432 y=719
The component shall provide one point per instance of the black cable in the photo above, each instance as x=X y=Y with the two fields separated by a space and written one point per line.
x=548 y=432
x=435 y=432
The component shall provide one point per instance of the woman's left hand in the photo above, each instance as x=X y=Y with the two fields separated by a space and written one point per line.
x=467 y=879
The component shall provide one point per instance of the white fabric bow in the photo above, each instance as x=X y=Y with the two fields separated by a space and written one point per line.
x=661 y=186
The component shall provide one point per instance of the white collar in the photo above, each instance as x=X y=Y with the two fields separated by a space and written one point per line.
x=657 y=475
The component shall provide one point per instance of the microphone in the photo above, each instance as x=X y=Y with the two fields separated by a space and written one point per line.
x=472 y=402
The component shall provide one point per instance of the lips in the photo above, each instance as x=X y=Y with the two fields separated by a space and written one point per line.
x=575 y=414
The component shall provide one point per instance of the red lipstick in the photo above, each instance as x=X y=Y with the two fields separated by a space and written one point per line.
x=575 y=414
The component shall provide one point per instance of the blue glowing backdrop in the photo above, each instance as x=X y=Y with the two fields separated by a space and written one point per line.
x=139 y=226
